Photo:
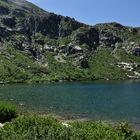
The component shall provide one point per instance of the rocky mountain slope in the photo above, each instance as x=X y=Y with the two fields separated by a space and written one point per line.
x=38 y=46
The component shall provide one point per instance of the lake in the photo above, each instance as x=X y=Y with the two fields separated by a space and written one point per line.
x=117 y=101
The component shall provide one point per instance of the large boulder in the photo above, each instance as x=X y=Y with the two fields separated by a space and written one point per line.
x=4 y=10
x=46 y=25
x=136 y=51
x=86 y=35
x=132 y=48
x=4 y=32
x=9 y=21
x=70 y=50
x=107 y=39
x=67 y=26
x=84 y=64
x=19 y=13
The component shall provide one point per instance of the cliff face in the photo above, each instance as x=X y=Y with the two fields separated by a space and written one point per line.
x=36 y=45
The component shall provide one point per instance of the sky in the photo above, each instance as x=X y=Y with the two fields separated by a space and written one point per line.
x=126 y=12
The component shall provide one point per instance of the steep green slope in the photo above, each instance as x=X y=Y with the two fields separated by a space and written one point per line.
x=38 y=46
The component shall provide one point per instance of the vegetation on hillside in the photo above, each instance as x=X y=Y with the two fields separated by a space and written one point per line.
x=38 y=46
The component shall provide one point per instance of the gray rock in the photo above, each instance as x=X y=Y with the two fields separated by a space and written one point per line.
x=84 y=64
x=108 y=39
x=4 y=10
x=136 y=51
x=4 y=32
x=9 y=21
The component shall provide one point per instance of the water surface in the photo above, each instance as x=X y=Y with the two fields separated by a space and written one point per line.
x=99 y=101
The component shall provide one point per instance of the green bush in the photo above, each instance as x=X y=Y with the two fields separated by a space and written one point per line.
x=33 y=127
x=102 y=131
x=8 y=111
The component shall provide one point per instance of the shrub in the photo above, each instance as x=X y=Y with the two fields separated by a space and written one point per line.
x=34 y=127
x=8 y=111
x=39 y=38
x=127 y=132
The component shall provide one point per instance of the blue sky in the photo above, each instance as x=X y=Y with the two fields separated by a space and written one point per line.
x=126 y=12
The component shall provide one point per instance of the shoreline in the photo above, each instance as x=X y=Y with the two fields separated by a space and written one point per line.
x=131 y=80
x=78 y=118
x=66 y=120
x=72 y=117
x=74 y=81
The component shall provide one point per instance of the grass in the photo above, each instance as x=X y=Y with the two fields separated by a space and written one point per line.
x=103 y=65
x=16 y=66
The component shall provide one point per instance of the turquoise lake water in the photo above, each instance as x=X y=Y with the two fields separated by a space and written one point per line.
x=98 y=101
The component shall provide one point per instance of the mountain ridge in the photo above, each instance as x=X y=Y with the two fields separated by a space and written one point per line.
x=38 y=46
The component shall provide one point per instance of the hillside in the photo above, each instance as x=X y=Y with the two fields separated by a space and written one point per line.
x=38 y=46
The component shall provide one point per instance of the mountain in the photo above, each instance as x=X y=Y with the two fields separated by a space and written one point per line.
x=38 y=46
